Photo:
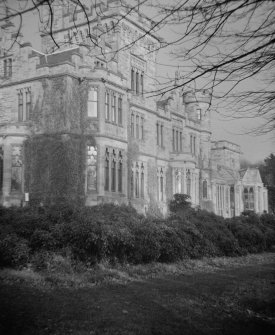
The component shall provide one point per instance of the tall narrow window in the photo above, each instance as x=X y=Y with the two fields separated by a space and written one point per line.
x=92 y=102
x=204 y=189
x=137 y=83
x=142 y=127
x=137 y=181
x=120 y=172
x=142 y=181
x=113 y=173
x=191 y=143
x=132 y=124
x=28 y=104
x=91 y=168
x=157 y=134
x=161 y=135
x=251 y=198
x=20 y=106
x=132 y=182
x=107 y=105
x=132 y=80
x=199 y=113
x=5 y=68
x=16 y=169
x=177 y=141
x=10 y=67
x=194 y=145
x=161 y=185
x=141 y=84
x=137 y=126
x=107 y=162
x=181 y=142
x=113 y=108
x=119 y=110
x=173 y=139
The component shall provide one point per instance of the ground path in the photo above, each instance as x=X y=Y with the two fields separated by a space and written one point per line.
x=231 y=301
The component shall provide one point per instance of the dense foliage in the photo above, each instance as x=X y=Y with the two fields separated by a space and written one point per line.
x=55 y=168
x=119 y=234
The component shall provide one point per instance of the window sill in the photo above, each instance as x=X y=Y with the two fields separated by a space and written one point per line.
x=114 y=123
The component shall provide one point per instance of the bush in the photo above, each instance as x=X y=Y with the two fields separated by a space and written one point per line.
x=120 y=234
x=171 y=245
x=179 y=203
x=146 y=244
x=42 y=239
x=40 y=260
x=14 y=251
x=249 y=235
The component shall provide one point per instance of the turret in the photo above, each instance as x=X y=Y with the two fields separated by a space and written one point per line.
x=197 y=104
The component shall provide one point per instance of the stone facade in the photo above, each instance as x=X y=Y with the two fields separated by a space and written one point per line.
x=144 y=149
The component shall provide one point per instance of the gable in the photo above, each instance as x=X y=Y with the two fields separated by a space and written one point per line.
x=251 y=176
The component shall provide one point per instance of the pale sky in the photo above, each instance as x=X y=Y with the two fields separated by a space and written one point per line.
x=254 y=148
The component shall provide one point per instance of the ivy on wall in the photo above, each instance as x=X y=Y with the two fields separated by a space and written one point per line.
x=55 y=169
x=55 y=159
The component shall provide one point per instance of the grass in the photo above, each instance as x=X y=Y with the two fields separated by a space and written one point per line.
x=104 y=273
x=209 y=296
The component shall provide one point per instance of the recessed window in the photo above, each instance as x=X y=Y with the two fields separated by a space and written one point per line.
x=113 y=107
x=91 y=168
x=198 y=113
x=7 y=67
x=137 y=125
x=137 y=180
x=93 y=102
x=137 y=81
x=177 y=140
x=113 y=170
x=24 y=104
x=160 y=134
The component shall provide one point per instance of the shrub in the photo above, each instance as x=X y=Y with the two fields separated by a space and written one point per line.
x=87 y=241
x=40 y=260
x=120 y=243
x=171 y=245
x=180 y=202
x=146 y=243
x=42 y=239
x=14 y=251
x=249 y=235
x=268 y=220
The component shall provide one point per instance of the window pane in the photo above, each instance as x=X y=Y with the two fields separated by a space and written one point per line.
x=92 y=109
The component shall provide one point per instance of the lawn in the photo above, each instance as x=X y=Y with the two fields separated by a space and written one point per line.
x=207 y=297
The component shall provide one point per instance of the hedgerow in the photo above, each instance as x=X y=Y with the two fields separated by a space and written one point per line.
x=119 y=234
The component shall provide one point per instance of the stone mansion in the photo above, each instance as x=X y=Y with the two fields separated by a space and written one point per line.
x=139 y=148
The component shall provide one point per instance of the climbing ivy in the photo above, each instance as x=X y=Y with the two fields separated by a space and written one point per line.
x=55 y=169
x=55 y=157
